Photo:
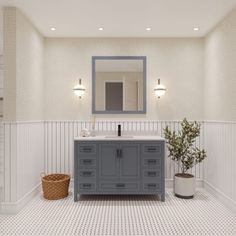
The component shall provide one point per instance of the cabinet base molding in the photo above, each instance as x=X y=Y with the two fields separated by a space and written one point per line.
x=15 y=207
x=228 y=202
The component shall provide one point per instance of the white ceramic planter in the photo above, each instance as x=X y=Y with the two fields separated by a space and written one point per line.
x=184 y=187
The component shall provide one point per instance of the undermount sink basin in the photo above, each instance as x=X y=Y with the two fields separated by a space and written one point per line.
x=115 y=136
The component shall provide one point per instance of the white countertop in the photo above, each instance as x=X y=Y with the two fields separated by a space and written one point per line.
x=123 y=138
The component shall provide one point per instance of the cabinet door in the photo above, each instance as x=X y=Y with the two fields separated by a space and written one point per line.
x=108 y=161
x=129 y=161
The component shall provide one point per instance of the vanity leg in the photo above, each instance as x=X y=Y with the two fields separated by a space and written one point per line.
x=75 y=197
x=163 y=197
x=75 y=173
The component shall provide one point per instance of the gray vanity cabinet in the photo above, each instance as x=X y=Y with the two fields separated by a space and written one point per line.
x=119 y=167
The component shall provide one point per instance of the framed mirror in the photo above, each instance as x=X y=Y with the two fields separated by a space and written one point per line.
x=118 y=84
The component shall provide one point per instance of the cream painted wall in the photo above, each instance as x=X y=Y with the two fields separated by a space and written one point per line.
x=178 y=62
x=220 y=71
x=24 y=68
x=1 y=61
x=1 y=31
x=29 y=70
x=9 y=74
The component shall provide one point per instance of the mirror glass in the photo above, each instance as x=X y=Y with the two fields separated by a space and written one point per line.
x=119 y=84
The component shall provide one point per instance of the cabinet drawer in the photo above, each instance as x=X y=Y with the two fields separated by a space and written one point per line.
x=87 y=186
x=87 y=149
x=151 y=149
x=151 y=186
x=119 y=186
x=87 y=173
x=151 y=162
x=87 y=162
x=156 y=173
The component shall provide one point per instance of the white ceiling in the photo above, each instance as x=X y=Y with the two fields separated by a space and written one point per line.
x=123 y=18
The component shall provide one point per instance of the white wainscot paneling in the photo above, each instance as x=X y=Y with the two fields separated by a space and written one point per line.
x=220 y=166
x=59 y=137
x=23 y=162
x=30 y=156
x=1 y=162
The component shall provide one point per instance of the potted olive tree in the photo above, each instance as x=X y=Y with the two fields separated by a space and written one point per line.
x=182 y=150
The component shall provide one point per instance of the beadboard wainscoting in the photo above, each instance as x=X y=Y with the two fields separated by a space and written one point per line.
x=1 y=162
x=220 y=165
x=23 y=160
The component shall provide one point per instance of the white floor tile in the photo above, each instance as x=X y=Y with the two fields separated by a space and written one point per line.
x=122 y=215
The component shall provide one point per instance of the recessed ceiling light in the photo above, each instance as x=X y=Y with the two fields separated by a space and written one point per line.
x=53 y=28
x=148 y=28
x=100 y=28
x=195 y=28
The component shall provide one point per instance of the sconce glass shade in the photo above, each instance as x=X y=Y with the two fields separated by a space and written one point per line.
x=79 y=89
x=160 y=90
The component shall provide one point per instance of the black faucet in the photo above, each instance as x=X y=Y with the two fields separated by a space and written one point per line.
x=119 y=130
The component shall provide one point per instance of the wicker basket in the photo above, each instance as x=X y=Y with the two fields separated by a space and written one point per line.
x=55 y=186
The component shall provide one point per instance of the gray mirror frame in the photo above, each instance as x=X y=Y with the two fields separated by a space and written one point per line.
x=94 y=58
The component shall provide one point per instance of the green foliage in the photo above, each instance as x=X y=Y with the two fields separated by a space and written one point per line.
x=181 y=145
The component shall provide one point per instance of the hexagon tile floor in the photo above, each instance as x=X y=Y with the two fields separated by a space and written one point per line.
x=122 y=215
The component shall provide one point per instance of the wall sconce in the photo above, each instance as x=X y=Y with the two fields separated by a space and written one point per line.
x=160 y=89
x=79 y=89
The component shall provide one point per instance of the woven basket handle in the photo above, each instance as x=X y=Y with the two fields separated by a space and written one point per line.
x=42 y=174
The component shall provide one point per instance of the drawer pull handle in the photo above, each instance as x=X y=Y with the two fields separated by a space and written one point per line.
x=87 y=149
x=87 y=185
x=152 y=161
x=120 y=185
x=117 y=153
x=151 y=185
x=151 y=173
x=87 y=173
x=151 y=149
x=87 y=162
